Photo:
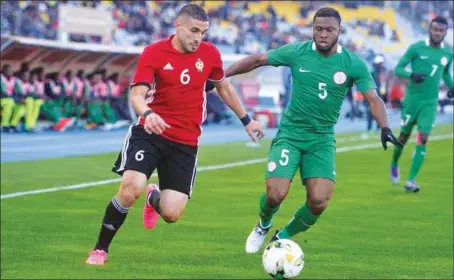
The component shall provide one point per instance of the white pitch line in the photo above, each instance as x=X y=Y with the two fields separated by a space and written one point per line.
x=204 y=168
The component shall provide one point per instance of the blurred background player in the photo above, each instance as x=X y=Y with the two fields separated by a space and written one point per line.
x=8 y=82
x=34 y=100
x=53 y=104
x=430 y=61
x=305 y=139
x=21 y=88
x=168 y=93
x=379 y=75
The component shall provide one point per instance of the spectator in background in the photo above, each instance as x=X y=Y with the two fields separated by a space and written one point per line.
x=80 y=100
x=68 y=90
x=94 y=112
x=34 y=100
x=21 y=89
x=217 y=111
x=287 y=85
x=102 y=94
x=380 y=77
x=52 y=107
x=24 y=67
x=397 y=94
x=117 y=100
x=444 y=99
x=378 y=73
x=354 y=110
x=8 y=82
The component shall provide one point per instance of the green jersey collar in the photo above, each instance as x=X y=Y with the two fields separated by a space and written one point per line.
x=339 y=47
x=442 y=45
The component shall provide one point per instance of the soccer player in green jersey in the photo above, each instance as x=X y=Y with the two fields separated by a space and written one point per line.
x=430 y=61
x=322 y=72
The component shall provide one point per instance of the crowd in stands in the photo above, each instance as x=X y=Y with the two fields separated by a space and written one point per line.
x=422 y=12
x=68 y=99
x=234 y=28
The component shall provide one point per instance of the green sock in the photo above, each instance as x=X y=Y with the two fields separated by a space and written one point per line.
x=266 y=212
x=302 y=221
x=418 y=159
x=396 y=155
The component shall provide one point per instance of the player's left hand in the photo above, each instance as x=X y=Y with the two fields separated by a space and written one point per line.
x=387 y=136
x=255 y=130
x=451 y=93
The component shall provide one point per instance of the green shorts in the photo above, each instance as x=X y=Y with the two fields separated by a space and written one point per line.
x=314 y=156
x=422 y=114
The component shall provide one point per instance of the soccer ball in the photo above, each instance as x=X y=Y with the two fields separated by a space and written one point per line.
x=283 y=259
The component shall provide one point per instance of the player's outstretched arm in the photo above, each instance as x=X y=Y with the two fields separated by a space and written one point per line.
x=378 y=109
x=153 y=122
x=230 y=97
x=247 y=64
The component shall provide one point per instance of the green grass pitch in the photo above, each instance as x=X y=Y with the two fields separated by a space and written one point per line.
x=371 y=228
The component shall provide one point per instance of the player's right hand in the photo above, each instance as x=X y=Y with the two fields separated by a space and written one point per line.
x=155 y=124
x=255 y=130
x=388 y=136
x=417 y=78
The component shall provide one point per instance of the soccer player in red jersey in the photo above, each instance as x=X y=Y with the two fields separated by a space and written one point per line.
x=168 y=93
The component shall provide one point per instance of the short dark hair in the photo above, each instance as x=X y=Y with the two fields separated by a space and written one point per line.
x=194 y=11
x=327 y=12
x=441 y=20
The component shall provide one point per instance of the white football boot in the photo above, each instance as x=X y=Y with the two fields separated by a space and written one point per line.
x=256 y=238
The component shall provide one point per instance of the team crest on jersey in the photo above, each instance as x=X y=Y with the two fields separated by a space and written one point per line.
x=199 y=65
x=271 y=166
x=340 y=77
x=444 y=61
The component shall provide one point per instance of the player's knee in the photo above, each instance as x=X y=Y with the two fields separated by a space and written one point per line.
x=318 y=203
x=171 y=215
x=403 y=138
x=274 y=194
x=422 y=138
x=129 y=193
x=317 y=206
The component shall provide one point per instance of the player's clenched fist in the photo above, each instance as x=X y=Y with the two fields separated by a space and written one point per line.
x=154 y=124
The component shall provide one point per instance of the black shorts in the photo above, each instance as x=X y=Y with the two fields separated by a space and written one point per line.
x=175 y=162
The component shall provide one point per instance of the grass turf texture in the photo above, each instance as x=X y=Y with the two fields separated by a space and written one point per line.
x=370 y=230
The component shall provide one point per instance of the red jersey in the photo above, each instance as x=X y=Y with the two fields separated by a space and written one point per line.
x=177 y=86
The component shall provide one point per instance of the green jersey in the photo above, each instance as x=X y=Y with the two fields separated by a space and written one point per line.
x=435 y=63
x=319 y=86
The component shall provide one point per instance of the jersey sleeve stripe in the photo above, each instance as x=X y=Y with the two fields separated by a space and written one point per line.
x=217 y=80
x=140 y=84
